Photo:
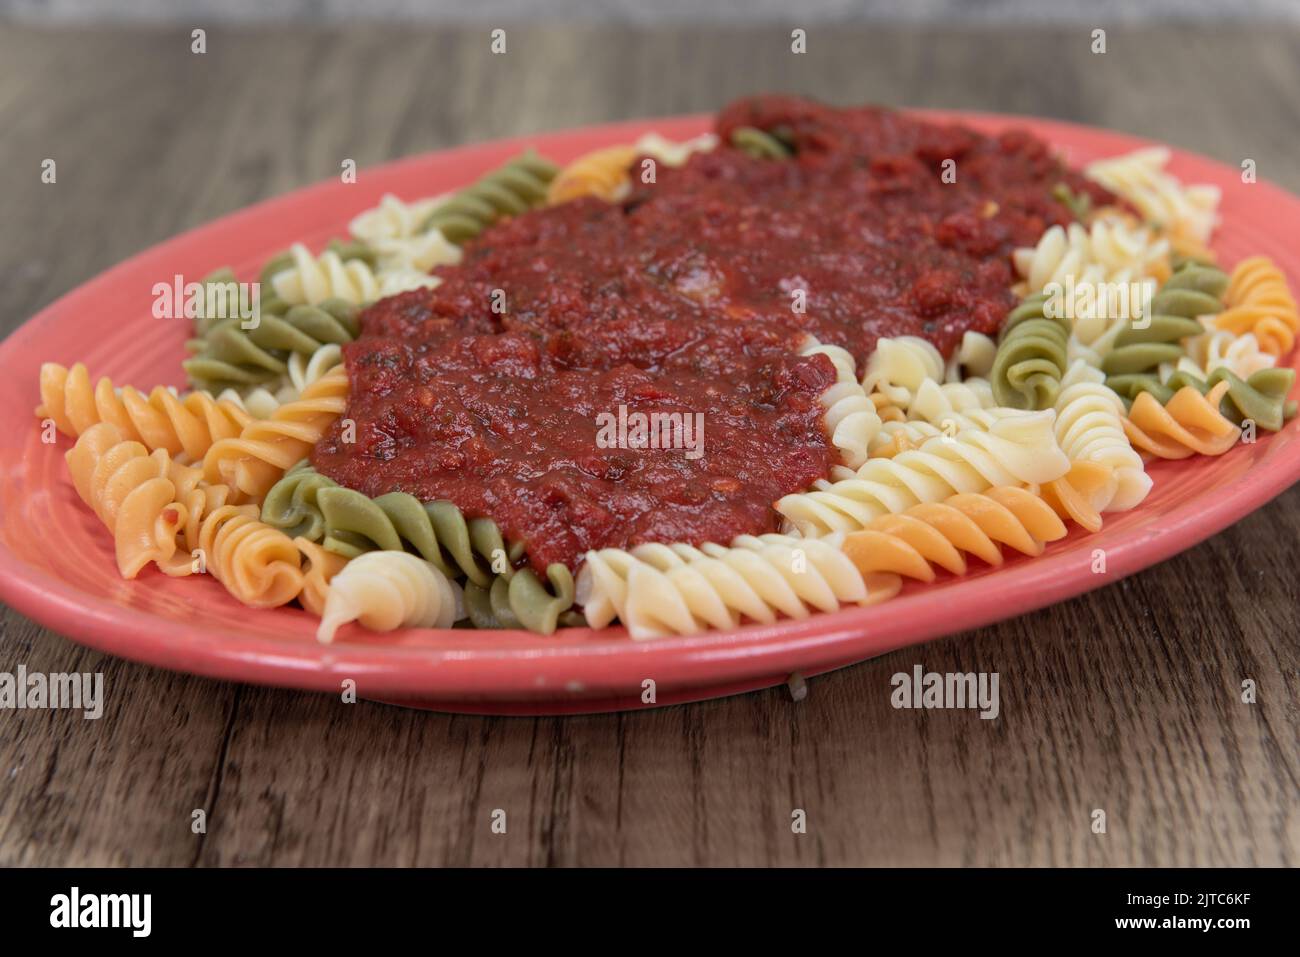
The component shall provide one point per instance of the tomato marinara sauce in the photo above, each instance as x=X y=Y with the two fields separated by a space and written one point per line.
x=692 y=296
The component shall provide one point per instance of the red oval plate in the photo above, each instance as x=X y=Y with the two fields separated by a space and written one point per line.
x=56 y=561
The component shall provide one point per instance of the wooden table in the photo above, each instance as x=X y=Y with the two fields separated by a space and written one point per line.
x=1126 y=699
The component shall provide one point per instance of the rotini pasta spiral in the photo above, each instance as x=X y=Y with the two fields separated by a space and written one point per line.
x=761 y=144
x=898 y=366
x=1187 y=212
x=391 y=219
x=973 y=358
x=1218 y=348
x=602 y=173
x=521 y=600
x=497 y=593
x=256 y=459
x=1191 y=292
x=1189 y=423
x=912 y=542
x=513 y=188
x=314 y=279
x=1014 y=447
x=1260 y=302
x=129 y=489
x=154 y=505
x=1106 y=251
x=677 y=589
x=852 y=421
x=320 y=567
x=1089 y=429
x=387 y=590
x=937 y=404
x=1262 y=398
x=1031 y=356
x=162 y=420
x=230 y=355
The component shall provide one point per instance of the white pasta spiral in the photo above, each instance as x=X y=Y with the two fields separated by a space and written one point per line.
x=1089 y=428
x=937 y=403
x=261 y=402
x=899 y=365
x=313 y=279
x=1141 y=178
x=851 y=418
x=1015 y=447
x=973 y=357
x=387 y=590
x=392 y=219
x=672 y=153
x=677 y=589
x=1219 y=348
x=1107 y=251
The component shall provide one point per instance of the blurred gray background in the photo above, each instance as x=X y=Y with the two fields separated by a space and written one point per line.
x=654 y=11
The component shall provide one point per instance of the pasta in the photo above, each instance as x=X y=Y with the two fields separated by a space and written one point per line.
x=1217 y=348
x=973 y=357
x=852 y=420
x=128 y=488
x=602 y=173
x=1259 y=303
x=229 y=355
x=309 y=505
x=1014 y=447
x=161 y=420
x=1089 y=429
x=1107 y=251
x=761 y=144
x=605 y=173
x=1185 y=212
x=1191 y=292
x=160 y=511
x=913 y=542
x=899 y=365
x=657 y=590
x=253 y=461
x=509 y=190
x=1031 y=356
x=319 y=568
x=392 y=219
x=1261 y=399
x=315 y=279
x=387 y=590
x=1189 y=423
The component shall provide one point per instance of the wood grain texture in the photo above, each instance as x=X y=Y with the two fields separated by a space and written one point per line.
x=1127 y=699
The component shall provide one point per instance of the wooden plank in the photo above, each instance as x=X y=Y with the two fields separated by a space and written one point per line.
x=1127 y=699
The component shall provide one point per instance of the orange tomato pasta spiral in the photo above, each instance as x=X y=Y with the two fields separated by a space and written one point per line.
x=1189 y=423
x=257 y=458
x=160 y=510
x=1260 y=301
x=322 y=566
x=161 y=420
x=601 y=173
x=130 y=490
x=912 y=542
x=258 y=564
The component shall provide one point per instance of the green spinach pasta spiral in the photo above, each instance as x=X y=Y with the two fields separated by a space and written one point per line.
x=498 y=594
x=761 y=144
x=1261 y=398
x=511 y=189
x=1192 y=291
x=1031 y=356
x=232 y=355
